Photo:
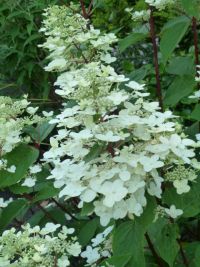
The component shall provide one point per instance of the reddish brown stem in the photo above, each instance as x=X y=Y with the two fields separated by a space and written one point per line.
x=63 y=208
x=196 y=49
x=90 y=8
x=184 y=258
x=153 y=251
x=85 y=14
x=48 y=215
x=155 y=58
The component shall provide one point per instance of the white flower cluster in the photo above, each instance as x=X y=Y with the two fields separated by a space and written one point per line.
x=100 y=249
x=142 y=15
x=111 y=142
x=14 y=116
x=37 y=247
x=160 y=4
x=171 y=212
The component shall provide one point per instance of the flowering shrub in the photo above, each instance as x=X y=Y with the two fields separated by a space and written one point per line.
x=118 y=144
x=38 y=247
x=15 y=115
x=110 y=155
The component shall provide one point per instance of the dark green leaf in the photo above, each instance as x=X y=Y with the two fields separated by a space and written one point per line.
x=192 y=7
x=87 y=209
x=11 y=212
x=181 y=86
x=164 y=236
x=95 y=151
x=195 y=115
x=188 y=202
x=132 y=39
x=181 y=66
x=119 y=261
x=22 y=157
x=45 y=193
x=40 y=132
x=88 y=231
x=172 y=34
x=129 y=236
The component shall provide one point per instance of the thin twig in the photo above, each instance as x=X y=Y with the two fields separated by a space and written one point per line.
x=79 y=49
x=196 y=49
x=155 y=57
x=27 y=196
x=153 y=251
x=64 y=209
x=48 y=215
x=183 y=255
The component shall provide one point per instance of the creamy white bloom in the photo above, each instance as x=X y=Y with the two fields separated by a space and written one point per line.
x=29 y=182
x=173 y=212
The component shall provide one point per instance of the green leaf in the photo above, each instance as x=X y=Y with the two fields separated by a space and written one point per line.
x=172 y=34
x=45 y=193
x=197 y=256
x=43 y=130
x=181 y=66
x=188 y=202
x=164 y=236
x=191 y=7
x=22 y=157
x=11 y=212
x=36 y=218
x=95 y=151
x=139 y=74
x=33 y=37
x=128 y=239
x=88 y=231
x=181 y=86
x=40 y=132
x=87 y=209
x=119 y=261
x=195 y=115
x=18 y=189
x=129 y=236
x=131 y=39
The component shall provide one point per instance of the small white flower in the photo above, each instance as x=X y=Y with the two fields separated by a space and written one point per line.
x=35 y=169
x=29 y=182
x=150 y=163
x=32 y=110
x=11 y=169
x=49 y=228
x=56 y=64
x=108 y=137
x=107 y=58
x=91 y=254
x=196 y=95
x=181 y=186
x=135 y=86
x=47 y=114
x=173 y=212
x=113 y=192
x=63 y=261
